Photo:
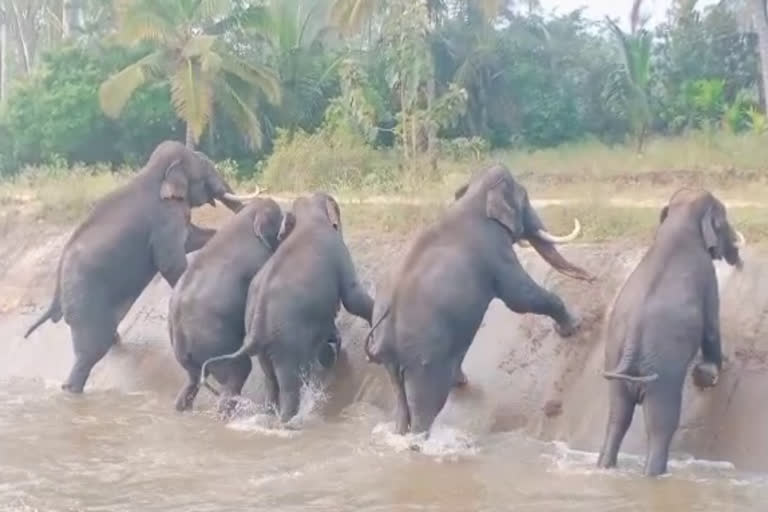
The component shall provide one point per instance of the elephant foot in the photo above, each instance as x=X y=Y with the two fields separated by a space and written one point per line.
x=570 y=328
x=705 y=375
x=460 y=379
x=69 y=388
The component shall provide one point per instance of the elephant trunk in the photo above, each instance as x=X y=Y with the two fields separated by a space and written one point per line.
x=544 y=244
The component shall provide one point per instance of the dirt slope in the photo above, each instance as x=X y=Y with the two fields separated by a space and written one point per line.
x=522 y=375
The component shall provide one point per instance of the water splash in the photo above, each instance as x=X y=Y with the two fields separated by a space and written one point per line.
x=266 y=422
x=444 y=443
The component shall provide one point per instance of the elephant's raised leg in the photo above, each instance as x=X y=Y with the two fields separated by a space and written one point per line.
x=90 y=344
x=661 y=408
x=620 y=412
x=188 y=393
x=426 y=389
x=402 y=415
x=522 y=294
x=270 y=381
x=237 y=374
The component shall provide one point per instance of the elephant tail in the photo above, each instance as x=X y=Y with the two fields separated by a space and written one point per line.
x=53 y=313
x=367 y=346
x=642 y=379
x=226 y=357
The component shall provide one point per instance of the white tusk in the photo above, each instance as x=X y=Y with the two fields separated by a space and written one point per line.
x=740 y=240
x=553 y=239
x=523 y=243
x=241 y=198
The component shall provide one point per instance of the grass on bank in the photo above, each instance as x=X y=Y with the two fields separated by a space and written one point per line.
x=732 y=166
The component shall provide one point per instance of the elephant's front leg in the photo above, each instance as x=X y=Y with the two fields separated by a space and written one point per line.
x=522 y=294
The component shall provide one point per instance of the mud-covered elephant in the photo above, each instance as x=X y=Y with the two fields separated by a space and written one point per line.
x=293 y=300
x=425 y=322
x=207 y=308
x=134 y=232
x=667 y=310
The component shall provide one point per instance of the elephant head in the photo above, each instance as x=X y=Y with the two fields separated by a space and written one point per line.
x=496 y=195
x=267 y=221
x=319 y=207
x=708 y=214
x=190 y=176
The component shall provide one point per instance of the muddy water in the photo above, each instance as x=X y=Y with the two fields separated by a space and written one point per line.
x=125 y=452
x=523 y=436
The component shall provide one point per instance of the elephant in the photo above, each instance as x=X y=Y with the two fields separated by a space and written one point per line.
x=207 y=306
x=438 y=295
x=131 y=234
x=666 y=311
x=293 y=300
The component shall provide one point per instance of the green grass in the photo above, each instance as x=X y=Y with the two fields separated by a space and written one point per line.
x=733 y=167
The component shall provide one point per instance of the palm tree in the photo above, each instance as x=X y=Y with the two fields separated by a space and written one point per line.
x=202 y=70
x=636 y=49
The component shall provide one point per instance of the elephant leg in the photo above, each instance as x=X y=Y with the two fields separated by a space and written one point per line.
x=120 y=313
x=620 y=411
x=270 y=381
x=522 y=294
x=426 y=389
x=188 y=393
x=90 y=344
x=289 y=388
x=239 y=369
x=661 y=407
x=402 y=415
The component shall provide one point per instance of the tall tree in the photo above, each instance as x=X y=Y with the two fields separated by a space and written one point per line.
x=760 y=20
x=201 y=68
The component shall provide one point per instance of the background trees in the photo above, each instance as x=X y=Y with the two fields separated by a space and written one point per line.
x=94 y=80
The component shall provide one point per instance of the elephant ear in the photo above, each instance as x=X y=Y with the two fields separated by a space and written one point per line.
x=264 y=229
x=333 y=213
x=175 y=182
x=710 y=225
x=289 y=222
x=460 y=192
x=498 y=209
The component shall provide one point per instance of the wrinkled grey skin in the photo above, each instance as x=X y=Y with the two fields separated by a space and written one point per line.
x=666 y=311
x=208 y=303
x=426 y=322
x=293 y=300
x=131 y=234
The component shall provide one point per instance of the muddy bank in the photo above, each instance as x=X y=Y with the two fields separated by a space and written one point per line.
x=522 y=375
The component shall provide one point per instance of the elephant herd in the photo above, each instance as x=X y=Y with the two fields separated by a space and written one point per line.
x=270 y=284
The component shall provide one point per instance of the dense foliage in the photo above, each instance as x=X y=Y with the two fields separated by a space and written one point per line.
x=422 y=76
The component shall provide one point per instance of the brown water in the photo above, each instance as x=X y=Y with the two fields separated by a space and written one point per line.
x=522 y=437
x=125 y=452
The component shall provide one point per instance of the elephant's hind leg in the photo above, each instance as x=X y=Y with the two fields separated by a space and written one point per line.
x=90 y=343
x=289 y=388
x=662 y=416
x=237 y=374
x=402 y=415
x=620 y=412
x=426 y=389
x=188 y=393
x=270 y=381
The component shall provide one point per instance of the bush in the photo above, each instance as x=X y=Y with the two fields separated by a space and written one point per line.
x=321 y=161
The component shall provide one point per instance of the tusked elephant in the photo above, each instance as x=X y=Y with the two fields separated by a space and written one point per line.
x=134 y=232
x=207 y=307
x=667 y=310
x=438 y=296
x=293 y=300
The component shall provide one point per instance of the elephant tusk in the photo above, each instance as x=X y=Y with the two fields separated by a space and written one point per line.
x=740 y=240
x=523 y=243
x=241 y=198
x=554 y=239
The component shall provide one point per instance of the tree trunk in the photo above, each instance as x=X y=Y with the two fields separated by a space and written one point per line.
x=190 y=138
x=3 y=59
x=26 y=55
x=431 y=125
x=71 y=20
x=760 y=20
